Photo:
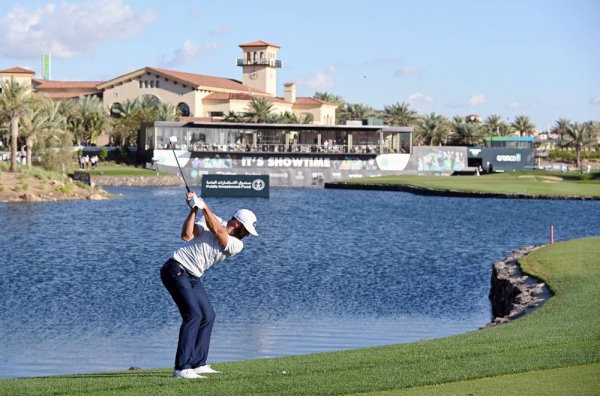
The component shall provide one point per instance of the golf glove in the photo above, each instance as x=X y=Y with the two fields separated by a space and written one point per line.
x=196 y=202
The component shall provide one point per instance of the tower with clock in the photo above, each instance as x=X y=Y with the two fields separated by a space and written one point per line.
x=259 y=65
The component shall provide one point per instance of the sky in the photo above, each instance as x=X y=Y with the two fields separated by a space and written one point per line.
x=539 y=58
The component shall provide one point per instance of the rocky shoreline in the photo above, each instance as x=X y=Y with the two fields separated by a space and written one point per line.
x=512 y=293
x=449 y=193
x=136 y=181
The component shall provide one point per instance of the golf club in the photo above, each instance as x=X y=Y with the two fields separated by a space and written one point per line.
x=173 y=139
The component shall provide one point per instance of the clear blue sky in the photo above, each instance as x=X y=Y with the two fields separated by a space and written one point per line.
x=539 y=58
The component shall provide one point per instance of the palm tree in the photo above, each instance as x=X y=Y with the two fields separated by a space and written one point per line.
x=469 y=133
x=33 y=123
x=14 y=104
x=89 y=116
x=492 y=124
x=126 y=121
x=360 y=111
x=561 y=126
x=258 y=110
x=506 y=129
x=523 y=125
x=433 y=129
x=233 y=116
x=288 y=117
x=166 y=112
x=578 y=137
x=400 y=114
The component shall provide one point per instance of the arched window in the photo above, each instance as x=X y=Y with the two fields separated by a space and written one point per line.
x=115 y=110
x=141 y=84
x=146 y=84
x=183 y=109
x=151 y=83
x=157 y=83
x=262 y=57
x=248 y=57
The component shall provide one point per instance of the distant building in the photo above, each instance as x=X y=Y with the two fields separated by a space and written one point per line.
x=197 y=97
x=473 y=118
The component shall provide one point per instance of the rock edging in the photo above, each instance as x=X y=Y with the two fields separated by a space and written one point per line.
x=450 y=193
x=137 y=181
x=513 y=294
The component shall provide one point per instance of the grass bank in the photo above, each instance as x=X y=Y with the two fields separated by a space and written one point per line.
x=522 y=182
x=112 y=169
x=559 y=341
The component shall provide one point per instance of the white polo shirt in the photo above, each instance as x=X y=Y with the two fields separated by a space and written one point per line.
x=204 y=250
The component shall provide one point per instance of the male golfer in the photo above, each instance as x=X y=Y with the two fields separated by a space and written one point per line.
x=207 y=240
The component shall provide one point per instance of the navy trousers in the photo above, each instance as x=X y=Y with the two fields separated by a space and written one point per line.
x=197 y=315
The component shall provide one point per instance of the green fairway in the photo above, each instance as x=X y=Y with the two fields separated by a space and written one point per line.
x=559 y=344
x=524 y=182
x=574 y=380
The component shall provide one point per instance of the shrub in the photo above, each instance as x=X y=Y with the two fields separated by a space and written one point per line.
x=103 y=154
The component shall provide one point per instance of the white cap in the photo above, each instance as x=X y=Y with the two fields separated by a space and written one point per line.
x=248 y=219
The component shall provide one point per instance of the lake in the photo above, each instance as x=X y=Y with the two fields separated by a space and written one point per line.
x=331 y=270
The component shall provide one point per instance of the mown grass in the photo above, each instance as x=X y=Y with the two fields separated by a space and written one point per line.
x=561 y=339
x=112 y=169
x=523 y=182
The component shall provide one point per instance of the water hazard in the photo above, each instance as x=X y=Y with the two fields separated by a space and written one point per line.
x=331 y=270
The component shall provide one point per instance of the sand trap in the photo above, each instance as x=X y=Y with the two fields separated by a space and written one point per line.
x=553 y=178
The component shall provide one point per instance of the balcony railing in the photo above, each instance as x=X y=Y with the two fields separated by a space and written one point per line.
x=259 y=62
x=282 y=148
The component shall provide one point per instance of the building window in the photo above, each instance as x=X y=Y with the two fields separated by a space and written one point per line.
x=216 y=114
x=183 y=109
x=141 y=84
x=157 y=83
x=151 y=83
x=146 y=84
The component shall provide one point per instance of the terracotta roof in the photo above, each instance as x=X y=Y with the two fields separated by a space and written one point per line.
x=68 y=95
x=51 y=84
x=17 y=70
x=288 y=84
x=191 y=79
x=304 y=100
x=240 y=96
x=258 y=43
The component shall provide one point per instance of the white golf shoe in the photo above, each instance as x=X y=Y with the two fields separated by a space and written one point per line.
x=186 y=373
x=206 y=369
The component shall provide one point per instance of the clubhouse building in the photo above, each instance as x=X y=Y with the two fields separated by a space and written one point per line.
x=198 y=97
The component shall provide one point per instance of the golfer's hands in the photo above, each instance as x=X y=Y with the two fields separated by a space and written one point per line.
x=194 y=202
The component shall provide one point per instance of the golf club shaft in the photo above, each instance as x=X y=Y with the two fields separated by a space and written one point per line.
x=180 y=171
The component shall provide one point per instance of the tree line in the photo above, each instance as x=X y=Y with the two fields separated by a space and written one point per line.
x=52 y=127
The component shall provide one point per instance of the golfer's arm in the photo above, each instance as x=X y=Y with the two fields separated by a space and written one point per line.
x=189 y=230
x=215 y=226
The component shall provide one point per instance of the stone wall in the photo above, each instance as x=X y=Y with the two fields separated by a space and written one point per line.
x=137 y=181
x=514 y=294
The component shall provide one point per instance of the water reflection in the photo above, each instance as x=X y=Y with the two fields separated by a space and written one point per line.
x=331 y=270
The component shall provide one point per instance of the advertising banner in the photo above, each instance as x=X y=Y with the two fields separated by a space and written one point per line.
x=235 y=186
x=283 y=170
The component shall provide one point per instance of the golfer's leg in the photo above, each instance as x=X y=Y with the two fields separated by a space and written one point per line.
x=180 y=287
x=206 y=325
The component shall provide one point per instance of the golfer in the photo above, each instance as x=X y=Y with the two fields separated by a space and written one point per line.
x=207 y=240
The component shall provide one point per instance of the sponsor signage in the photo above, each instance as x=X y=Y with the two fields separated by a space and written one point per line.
x=508 y=157
x=474 y=152
x=235 y=186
